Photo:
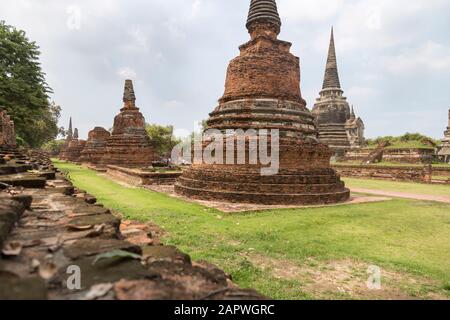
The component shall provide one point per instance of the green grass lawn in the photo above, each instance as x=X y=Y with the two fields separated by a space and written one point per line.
x=404 y=236
x=407 y=187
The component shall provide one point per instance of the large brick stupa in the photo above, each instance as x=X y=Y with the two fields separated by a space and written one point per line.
x=262 y=91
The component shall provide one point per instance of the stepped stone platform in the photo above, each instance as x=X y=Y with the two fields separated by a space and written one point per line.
x=44 y=233
x=262 y=92
x=7 y=129
x=398 y=155
x=139 y=177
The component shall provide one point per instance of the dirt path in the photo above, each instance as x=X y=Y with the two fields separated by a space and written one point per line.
x=403 y=195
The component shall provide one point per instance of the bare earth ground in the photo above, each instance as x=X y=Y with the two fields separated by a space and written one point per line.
x=322 y=279
x=229 y=207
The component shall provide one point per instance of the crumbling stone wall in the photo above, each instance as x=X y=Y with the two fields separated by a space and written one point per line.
x=7 y=130
x=413 y=174
x=95 y=147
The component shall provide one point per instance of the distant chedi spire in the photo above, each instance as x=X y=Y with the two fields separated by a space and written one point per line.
x=338 y=126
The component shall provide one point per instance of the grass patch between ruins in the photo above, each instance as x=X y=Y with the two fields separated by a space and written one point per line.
x=301 y=253
x=395 y=186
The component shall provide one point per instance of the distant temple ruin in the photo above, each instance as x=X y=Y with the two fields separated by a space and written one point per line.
x=338 y=125
x=7 y=130
x=444 y=149
x=95 y=147
x=129 y=144
x=262 y=92
x=73 y=146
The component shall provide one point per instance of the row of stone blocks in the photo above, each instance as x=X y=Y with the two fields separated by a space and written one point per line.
x=56 y=228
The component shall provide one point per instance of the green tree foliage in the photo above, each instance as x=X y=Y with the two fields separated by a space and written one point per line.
x=162 y=138
x=54 y=147
x=23 y=89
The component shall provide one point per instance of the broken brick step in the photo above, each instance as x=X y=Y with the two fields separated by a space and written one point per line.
x=6 y=169
x=10 y=212
x=24 y=180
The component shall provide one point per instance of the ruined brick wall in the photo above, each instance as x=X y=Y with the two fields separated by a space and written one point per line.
x=413 y=174
x=7 y=130
x=402 y=155
x=95 y=147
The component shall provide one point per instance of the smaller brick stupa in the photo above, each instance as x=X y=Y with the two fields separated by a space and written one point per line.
x=129 y=144
x=7 y=130
x=444 y=149
x=75 y=146
x=95 y=147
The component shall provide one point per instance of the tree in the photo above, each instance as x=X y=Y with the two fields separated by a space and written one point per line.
x=24 y=90
x=54 y=147
x=162 y=138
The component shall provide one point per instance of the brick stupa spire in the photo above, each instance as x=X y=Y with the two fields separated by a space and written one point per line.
x=129 y=144
x=263 y=12
x=70 y=131
x=262 y=92
x=331 y=79
x=129 y=97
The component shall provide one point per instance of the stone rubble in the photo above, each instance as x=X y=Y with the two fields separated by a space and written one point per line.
x=48 y=230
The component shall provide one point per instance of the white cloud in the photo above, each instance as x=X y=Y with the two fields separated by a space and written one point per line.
x=316 y=10
x=361 y=93
x=127 y=73
x=173 y=104
x=430 y=56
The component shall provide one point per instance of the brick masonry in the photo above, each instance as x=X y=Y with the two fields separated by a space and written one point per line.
x=262 y=91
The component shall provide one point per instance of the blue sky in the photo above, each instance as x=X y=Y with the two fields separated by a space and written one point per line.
x=393 y=56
